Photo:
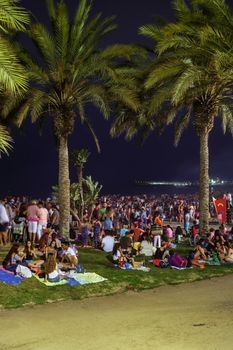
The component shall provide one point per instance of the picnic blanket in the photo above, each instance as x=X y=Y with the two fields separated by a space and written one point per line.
x=8 y=277
x=140 y=268
x=86 y=278
x=73 y=278
x=60 y=283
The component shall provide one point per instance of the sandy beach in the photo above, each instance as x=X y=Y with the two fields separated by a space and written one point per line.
x=188 y=316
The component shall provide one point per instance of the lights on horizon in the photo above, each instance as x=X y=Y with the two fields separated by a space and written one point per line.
x=213 y=182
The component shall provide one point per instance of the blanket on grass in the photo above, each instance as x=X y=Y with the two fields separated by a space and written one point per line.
x=74 y=278
x=140 y=268
x=86 y=278
x=53 y=284
x=8 y=277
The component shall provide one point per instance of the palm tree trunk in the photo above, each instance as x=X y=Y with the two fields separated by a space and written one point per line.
x=64 y=186
x=80 y=180
x=204 y=181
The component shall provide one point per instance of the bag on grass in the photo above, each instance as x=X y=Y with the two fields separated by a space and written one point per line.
x=23 y=271
x=80 y=268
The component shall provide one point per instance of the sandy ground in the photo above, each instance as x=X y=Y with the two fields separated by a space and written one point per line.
x=189 y=316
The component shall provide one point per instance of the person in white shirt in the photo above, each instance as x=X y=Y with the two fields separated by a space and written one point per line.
x=69 y=255
x=4 y=223
x=107 y=242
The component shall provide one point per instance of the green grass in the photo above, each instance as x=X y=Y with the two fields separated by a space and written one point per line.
x=31 y=292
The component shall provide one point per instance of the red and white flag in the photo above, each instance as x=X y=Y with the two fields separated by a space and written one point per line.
x=221 y=209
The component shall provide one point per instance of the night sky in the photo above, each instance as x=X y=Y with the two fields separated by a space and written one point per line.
x=32 y=169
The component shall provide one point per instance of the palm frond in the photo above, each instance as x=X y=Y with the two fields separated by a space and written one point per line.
x=5 y=141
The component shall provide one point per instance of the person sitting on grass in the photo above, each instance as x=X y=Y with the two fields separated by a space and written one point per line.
x=51 y=269
x=229 y=255
x=199 y=252
x=12 y=258
x=107 y=242
x=161 y=256
x=68 y=255
x=147 y=247
x=30 y=255
x=117 y=255
x=126 y=241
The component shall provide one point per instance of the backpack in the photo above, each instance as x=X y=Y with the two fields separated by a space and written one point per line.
x=80 y=268
x=23 y=271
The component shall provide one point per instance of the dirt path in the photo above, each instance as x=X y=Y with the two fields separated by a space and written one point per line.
x=190 y=316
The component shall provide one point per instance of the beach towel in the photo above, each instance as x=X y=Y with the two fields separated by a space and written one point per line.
x=181 y=268
x=86 y=278
x=140 y=268
x=9 y=278
x=50 y=284
x=2 y=268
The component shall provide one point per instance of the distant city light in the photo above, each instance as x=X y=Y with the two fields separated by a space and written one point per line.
x=215 y=182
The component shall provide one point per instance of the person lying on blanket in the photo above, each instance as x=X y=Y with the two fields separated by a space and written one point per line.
x=176 y=260
x=68 y=255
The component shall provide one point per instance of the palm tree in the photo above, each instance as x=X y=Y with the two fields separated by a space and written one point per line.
x=72 y=73
x=190 y=79
x=12 y=19
x=5 y=141
x=13 y=79
x=79 y=159
x=91 y=193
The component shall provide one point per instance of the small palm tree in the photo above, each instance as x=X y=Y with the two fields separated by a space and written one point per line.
x=91 y=193
x=73 y=72
x=79 y=159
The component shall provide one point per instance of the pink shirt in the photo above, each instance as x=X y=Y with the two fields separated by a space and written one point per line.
x=43 y=216
x=32 y=212
x=169 y=232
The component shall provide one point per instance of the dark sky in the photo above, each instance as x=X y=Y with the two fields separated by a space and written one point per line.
x=31 y=168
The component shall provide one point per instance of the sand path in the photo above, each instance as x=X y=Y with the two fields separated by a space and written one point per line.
x=188 y=316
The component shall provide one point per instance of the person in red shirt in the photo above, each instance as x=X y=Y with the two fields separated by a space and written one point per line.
x=137 y=232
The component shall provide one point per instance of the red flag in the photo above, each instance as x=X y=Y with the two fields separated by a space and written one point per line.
x=221 y=208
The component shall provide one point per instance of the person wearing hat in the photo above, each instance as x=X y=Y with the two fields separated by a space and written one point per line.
x=32 y=219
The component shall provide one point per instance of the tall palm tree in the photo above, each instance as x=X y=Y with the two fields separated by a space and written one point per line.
x=190 y=78
x=73 y=72
x=79 y=159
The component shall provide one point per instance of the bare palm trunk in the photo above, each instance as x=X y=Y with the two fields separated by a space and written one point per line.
x=64 y=186
x=91 y=212
x=204 y=181
x=80 y=180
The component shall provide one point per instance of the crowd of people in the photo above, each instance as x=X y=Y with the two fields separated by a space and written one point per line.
x=128 y=228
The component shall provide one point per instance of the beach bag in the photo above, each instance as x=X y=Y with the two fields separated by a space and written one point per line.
x=156 y=262
x=23 y=271
x=163 y=264
x=177 y=261
x=80 y=268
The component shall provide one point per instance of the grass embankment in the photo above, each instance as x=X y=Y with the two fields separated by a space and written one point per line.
x=31 y=292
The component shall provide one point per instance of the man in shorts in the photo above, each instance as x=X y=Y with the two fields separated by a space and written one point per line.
x=69 y=255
